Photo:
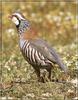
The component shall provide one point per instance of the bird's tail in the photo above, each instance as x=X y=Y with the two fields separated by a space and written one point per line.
x=62 y=66
x=59 y=61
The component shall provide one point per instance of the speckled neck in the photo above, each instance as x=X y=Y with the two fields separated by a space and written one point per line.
x=23 y=26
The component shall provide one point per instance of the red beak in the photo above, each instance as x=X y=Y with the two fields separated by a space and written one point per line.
x=10 y=17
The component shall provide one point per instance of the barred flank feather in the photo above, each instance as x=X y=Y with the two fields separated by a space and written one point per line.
x=32 y=54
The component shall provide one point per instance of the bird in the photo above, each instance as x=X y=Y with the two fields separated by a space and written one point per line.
x=35 y=50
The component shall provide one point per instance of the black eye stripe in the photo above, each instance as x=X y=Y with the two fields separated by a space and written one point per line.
x=15 y=16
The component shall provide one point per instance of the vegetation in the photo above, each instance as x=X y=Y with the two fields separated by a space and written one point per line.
x=55 y=22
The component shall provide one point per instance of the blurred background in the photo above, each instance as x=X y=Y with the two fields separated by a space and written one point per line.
x=54 y=21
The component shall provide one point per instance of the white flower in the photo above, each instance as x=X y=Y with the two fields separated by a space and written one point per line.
x=57 y=18
x=48 y=16
x=25 y=69
x=7 y=67
x=76 y=98
x=10 y=32
x=47 y=94
x=33 y=15
x=30 y=95
x=61 y=13
x=75 y=82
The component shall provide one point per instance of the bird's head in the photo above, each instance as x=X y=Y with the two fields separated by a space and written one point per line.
x=19 y=20
x=16 y=18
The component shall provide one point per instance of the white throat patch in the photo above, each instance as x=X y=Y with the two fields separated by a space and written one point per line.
x=15 y=20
